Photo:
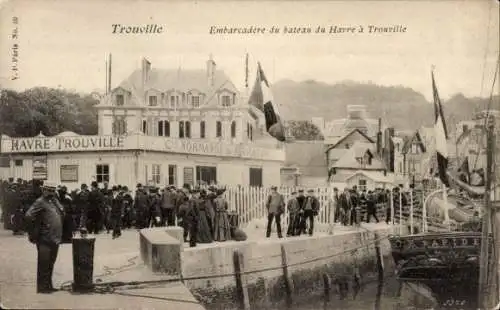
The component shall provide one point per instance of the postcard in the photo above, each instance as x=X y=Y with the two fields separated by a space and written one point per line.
x=248 y=154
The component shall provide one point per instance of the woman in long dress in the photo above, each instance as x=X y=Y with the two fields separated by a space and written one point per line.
x=204 y=232
x=222 y=229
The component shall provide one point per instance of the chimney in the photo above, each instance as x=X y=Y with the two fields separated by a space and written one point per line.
x=211 y=67
x=146 y=69
x=389 y=149
x=379 y=137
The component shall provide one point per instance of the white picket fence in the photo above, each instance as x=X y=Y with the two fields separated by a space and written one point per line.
x=250 y=204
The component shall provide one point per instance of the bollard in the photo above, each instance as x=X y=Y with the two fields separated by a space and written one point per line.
x=327 y=286
x=83 y=264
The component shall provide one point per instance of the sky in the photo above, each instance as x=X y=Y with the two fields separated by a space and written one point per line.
x=65 y=43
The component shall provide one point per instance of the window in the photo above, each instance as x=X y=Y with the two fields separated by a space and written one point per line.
x=184 y=129
x=465 y=128
x=256 y=177
x=4 y=161
x=187 y=128
x=362 y=184
x=233 y=129
x=164 y=128
x=181 y=129
x=174 y=101
x=250 y=132
x=172 y=175
x=202 y=129
x=226 y=101
x=120 y=100
x=144 y=127
x=153 y=101
x=218 y=129
x=119 y=125
x=188 y=175
x=155 y=174
x=347 y=145
x=18 y=162
x=400 y=167
x=206 y=175
x=195 y=101
x=102 y=173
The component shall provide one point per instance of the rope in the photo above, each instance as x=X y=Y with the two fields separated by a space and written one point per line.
x=110 y=287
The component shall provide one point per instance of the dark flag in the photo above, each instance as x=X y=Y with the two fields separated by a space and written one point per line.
x=262 y=99
x=441 y=135
x=465 y=171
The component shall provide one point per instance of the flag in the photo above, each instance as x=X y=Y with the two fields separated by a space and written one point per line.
x=441 y=135
x=464 y=169
x=262 y=99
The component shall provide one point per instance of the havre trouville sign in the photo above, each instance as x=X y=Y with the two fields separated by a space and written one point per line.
x=53 y=144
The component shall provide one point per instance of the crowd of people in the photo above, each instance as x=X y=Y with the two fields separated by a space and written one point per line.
x=203 y=213
x=345 y=208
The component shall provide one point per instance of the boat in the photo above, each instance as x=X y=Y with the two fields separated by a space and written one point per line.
x=456 y=255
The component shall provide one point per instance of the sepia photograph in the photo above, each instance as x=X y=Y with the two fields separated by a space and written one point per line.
x=227 y=155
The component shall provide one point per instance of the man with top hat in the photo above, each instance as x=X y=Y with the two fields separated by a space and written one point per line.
x=188 y=212
x=275 y=208
x=45 y=222
x=95 y=211
x=141 y=205
x=154 y=213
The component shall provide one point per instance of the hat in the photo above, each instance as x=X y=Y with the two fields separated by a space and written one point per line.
x=125 y=188
x=49 y=185
x=139 y=185
x=93 y=184
x=310 y=190
x=83 y=186
x=114 y=188
x=212 y=188
x=195 y=190
x=293 y=193
x=274 y=187
x=301 y=190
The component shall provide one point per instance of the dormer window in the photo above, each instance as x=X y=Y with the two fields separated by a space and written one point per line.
x=218 y=129
x=347 y=145
x=226 y=101
x=195 y=101
x=153 y=101
x=174 y=101
x=120 y=100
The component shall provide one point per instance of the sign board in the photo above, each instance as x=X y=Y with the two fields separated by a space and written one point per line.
x=188 y=175
x=40 y=167
x=69 y=173
x=62 y=144
x=214 y=148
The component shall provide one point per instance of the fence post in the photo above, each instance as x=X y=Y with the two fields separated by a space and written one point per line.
x=411 y=211
x=241 y=287
x=286 y=275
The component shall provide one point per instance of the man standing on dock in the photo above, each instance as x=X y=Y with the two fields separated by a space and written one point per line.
x=275 y=207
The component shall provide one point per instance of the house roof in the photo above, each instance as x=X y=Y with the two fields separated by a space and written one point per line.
x=358 y=149
x=408 y=141
x=164 y=80
x=309 y=157
x=348 y=135
x=375 y=176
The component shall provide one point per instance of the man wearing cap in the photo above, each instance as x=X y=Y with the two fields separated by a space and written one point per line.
x=141 y=205
x=275 y=207
x=311 y=209
x=45 y=219
x=293 y=212
x=95 y=211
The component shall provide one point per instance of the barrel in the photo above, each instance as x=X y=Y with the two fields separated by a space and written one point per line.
x=83 y=264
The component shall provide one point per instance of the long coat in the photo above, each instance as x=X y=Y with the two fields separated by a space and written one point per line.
x=45 y=221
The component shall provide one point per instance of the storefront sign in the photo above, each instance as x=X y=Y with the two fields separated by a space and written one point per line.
x=214 y=148
x=54 y=144
x=439 y=243
x=40 y=167
x=69 y=173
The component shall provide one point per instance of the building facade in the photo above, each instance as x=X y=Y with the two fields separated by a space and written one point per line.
x=162 y=127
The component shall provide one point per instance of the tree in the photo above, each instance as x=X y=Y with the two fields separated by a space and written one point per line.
x=47 y=110
x=304 y=130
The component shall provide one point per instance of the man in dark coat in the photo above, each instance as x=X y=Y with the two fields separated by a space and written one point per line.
x=116 y=211
x=45 y=222
x=275 y=206
x=371 y=206
x=95 y=211
x=141 y=205
x=346 y=205
x=168 y=206
x=311 y=209
x=154 y=216
x=68 y=223
x=293 y=212
x=128 y=218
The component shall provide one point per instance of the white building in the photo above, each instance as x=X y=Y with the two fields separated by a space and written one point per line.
x=162 y=127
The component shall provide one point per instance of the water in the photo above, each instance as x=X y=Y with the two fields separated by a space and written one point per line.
x=393 y=294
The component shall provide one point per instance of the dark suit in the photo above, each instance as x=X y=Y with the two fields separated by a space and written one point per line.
x=45 y=222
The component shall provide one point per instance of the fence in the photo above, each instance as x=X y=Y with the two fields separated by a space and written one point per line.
x=250 y=204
